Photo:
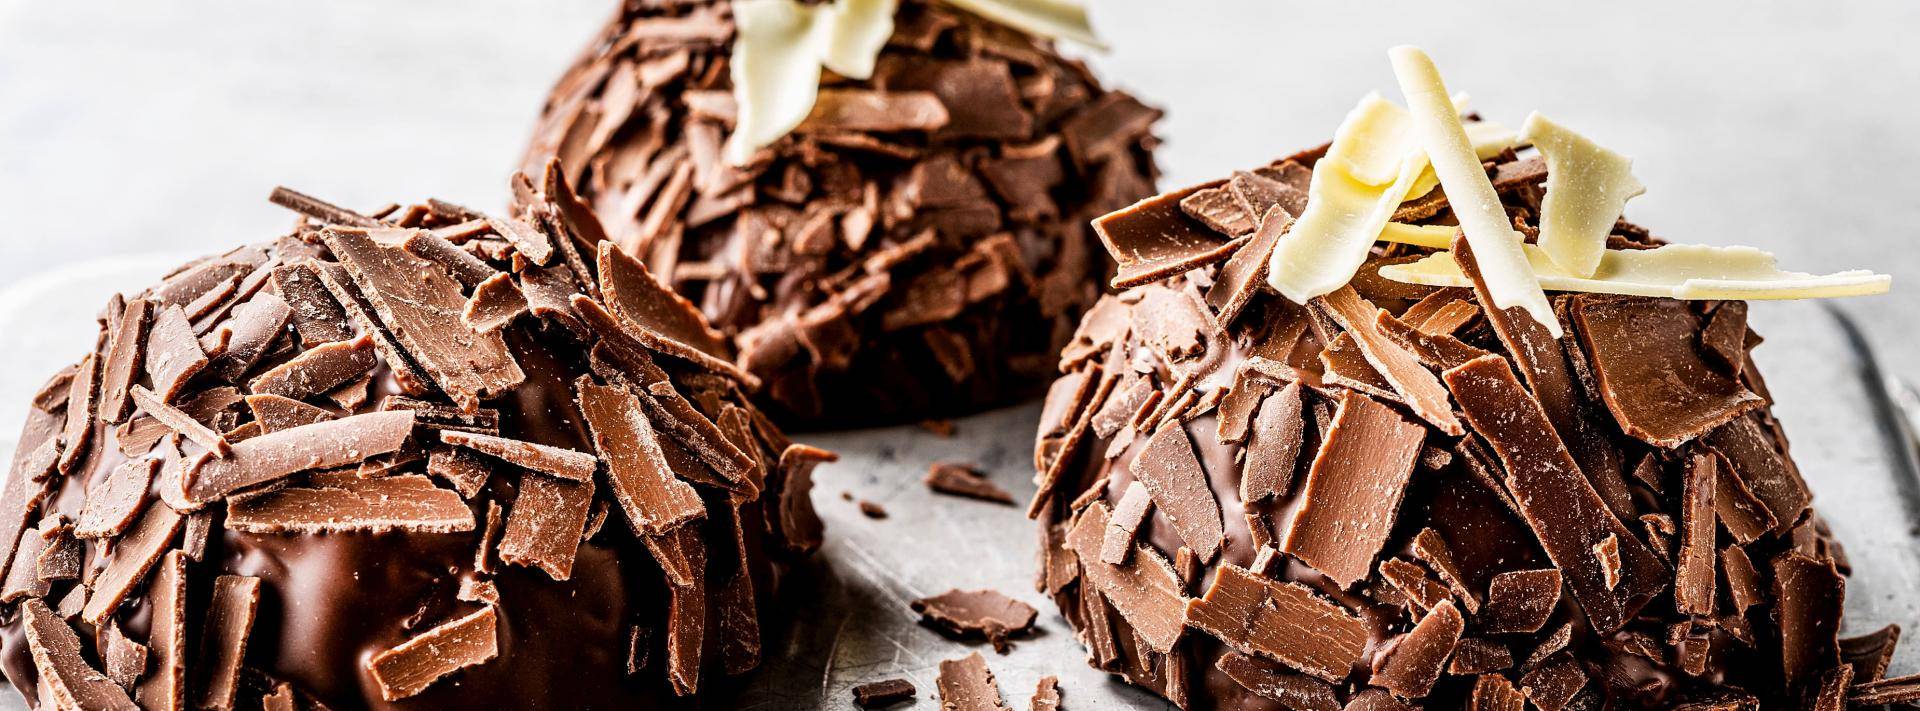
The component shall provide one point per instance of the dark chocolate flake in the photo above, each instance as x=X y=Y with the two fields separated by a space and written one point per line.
x=1272 y=681
x=495 y=303
x=986 y=613
x=126 y=354
x=881 y=694
x=1520 y=601
x=1145 y=589
x=1659 y=393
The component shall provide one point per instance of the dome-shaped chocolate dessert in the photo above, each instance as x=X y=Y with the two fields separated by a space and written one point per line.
x=421 y=458
x=916 y=247
x=1397 y=495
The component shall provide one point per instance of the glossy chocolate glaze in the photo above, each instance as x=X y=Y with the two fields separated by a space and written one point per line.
x=329 y=602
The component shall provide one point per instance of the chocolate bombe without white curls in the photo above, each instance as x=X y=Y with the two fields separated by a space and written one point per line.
x=1248 y=503
x=418 y=458
x=918 y=247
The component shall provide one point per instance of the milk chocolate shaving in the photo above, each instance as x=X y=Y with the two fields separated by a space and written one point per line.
x=65 y=676
x=1422 y=593
x=1695 y=575
x=686 y=608
x=61 y=558
x=270 y=457
x=416 y=664
x=1869 y=654
x=165 y=688
x=1216 y=208
x=1284 y=622
x=407 y=502
x=1520 y=601
x=1145 y=589
x=420 y=305
x=23 y=577
x=1808 y=596
x=230 y=617
x=1273 y=446
x=133 y=553
x=126 y=660
x=1377 y=700
x=1354 y=488
x=956 y=479
x=1899 y=690
x=880 y=694
x=1269 y=680
x=495 y=303
x=1662 y=395
x=653 y=499
x=126 y=354
x=639 y=336
x=1542 y=360
x=1434 y=350
x=556 y=461
x=1552 y=686
x=1046 y=695
x=1415 y=384
x=1744 y=514
x=1762 y=469
x=112 y=506
x=1414 y=662
x=320 y=210
x=82 y=398
x=463 y=469
x=1479 y=656
x=469 y=270
x=985 y=613
x=274 y=412
x=1492 y=692
x=966 y=684
x=1125 y=524
x=317 y=370
x=173 y=352
x=1556 y=500
x=248 y=332
x=636 y=297
x=1724 y=339
x=543 y=530
x=671 y=413
x=180 y=422
x=1173 y=475
x=1243 y=273
x=1152 y=239
x=316 y=316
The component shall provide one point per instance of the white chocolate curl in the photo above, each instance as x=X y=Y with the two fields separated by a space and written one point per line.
x=1679 y=271
x=1496 y=245
x=1588 y=187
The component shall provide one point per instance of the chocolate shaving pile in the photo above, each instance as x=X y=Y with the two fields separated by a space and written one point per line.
x=1397 y=496
x=917 y=247
x=347 y=466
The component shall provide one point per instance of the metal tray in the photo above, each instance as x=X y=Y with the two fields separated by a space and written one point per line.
x=1851 y=427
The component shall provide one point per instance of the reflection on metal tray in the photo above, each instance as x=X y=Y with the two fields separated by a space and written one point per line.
x=1851 y=426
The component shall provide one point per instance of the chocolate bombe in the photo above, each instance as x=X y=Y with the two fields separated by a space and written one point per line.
x=1247 y=503
x=421 y=458
x=917 y=247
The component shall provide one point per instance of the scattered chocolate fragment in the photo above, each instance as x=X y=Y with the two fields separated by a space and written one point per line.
x=1046 y=695
x=1478 y=656
x=966 y=684
x=126 y=660
x=872 y=509
x=165 y=688
x=881 y=694
x=1125 y=524
x=987 y=613
x=409 y=668
x=958 y=479
x=316 y=317
x=1898 y=690
x=1492 y=692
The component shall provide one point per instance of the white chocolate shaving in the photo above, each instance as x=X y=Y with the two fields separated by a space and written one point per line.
x=1495 y=243
x=1429 y=236
x=1345 y=213
x=1680 y=271
x=779 y=47
x=1058 y=19
x=1588 y=187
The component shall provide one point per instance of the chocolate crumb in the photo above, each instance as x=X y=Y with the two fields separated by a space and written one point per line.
x=871 y=509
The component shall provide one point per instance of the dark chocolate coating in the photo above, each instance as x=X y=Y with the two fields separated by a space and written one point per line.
x=329 y=602
x=826 y=363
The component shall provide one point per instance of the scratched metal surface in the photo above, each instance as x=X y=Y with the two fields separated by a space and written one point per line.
x=1851 y=430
